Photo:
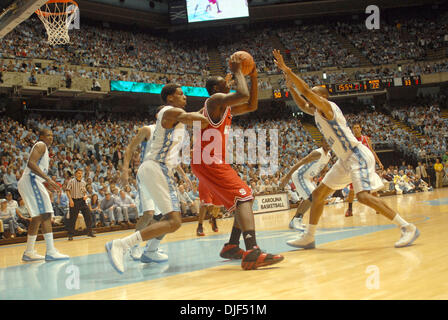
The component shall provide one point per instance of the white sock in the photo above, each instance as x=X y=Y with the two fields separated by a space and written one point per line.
x=311 y=230
x=30 y=241
x=49 y=242
x=132 y=240
x=152 y=245
x=399 y=221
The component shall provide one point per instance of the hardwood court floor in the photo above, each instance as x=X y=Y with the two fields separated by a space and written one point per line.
x=355 y=258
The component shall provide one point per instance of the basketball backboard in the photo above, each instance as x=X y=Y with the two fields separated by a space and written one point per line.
x=15 y=12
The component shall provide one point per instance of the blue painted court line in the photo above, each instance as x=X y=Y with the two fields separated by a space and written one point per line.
x=50 y=280
x=437 y=202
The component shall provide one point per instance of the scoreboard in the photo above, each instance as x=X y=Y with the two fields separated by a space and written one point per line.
x=360 y=86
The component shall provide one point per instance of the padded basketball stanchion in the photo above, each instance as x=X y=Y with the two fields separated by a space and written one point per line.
x=57 y=16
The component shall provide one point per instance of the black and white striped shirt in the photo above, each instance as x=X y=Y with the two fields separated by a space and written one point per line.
x=77 y=188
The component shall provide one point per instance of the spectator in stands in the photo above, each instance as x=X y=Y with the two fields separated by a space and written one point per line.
x=23 y=215
x=68 y=80
x=10 y=181
x=126 y=207
x=438 y=167
x=420 y=172
x=12 y=204
x=97 y=214
x=445 y=175
x=402 y=183
x=108 y=206
x=96 y=85
x=194 y=196
x=32 y=79
x=61 y=205
x=186 y=203
x=388 y=181
x=421 y=185
x=292 y=194
x=8 y=217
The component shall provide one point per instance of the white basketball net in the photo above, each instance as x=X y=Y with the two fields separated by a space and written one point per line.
x=57 y=18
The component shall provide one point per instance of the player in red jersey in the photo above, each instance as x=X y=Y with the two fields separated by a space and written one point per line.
x=217 y=176
x=365 y=141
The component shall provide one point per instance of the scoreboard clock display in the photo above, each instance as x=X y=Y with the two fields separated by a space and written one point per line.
x=358 y=86
x=281 y=94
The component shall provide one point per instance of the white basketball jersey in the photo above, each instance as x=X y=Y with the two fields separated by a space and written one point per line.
x=43 y=164
x=338 y=135
x=166 y=143
x=313 y=169
x=147 y=143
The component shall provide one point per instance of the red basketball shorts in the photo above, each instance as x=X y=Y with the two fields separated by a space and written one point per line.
x=223 y=183
x=206 y=196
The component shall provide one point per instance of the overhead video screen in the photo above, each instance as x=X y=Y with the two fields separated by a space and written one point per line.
x=209 y=10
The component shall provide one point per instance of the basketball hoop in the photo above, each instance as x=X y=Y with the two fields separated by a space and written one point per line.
x=57 y=16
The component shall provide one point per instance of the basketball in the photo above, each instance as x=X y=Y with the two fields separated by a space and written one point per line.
x=247 y=62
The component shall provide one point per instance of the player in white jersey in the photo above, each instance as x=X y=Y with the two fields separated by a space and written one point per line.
x=355 y=163
x=302 y=174
x=33 y=189
x=160 y=159
x=146 y=210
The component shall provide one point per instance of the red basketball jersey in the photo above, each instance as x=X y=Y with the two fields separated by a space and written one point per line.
x=214 y=131
x=223 y=184
x=364 y=141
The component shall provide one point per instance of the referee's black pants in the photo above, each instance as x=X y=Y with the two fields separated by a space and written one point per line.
x=79 y=205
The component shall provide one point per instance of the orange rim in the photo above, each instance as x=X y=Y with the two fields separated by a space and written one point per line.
x=46 y=14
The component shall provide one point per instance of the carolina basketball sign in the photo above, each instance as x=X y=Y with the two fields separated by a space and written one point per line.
x=271 y=202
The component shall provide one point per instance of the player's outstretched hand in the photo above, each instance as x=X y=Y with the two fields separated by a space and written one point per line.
x=278 y=60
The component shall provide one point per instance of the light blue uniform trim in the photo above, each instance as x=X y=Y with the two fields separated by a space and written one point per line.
x=300 y=175
x=37 y=194
x=172 y=188
x=340 y=135
x=144 y=145
x=365 y=179
x=140 y=205
x=167 y=142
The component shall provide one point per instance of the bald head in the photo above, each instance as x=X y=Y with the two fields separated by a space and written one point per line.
x=321 y=91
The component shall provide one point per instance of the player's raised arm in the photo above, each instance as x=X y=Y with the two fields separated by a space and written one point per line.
x=143 y=133
x=313 y=156
x=252 y=104
x=300 y=102
x=241 y=95
x=175 y=115
x=316 y=100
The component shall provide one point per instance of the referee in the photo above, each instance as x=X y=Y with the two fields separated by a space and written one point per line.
x=77 y=195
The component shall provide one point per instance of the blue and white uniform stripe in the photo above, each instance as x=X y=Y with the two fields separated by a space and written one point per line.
x=355 y=164
x=162 y=155
x=32 y=190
